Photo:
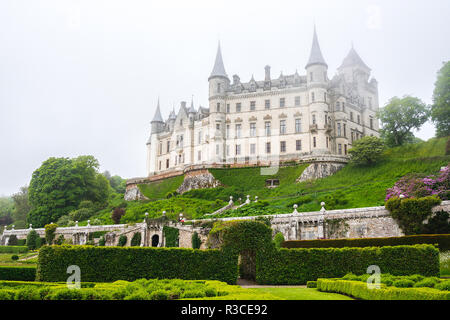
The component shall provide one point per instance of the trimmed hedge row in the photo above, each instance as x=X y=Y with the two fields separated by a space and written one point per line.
x=17 y=273
x=107 y=264
x=360 y=290
x=13 y=249
x=442 y=240
x=298 y=266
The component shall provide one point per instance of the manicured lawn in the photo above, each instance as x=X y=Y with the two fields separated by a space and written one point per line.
x=302 y=294
x=5 y=259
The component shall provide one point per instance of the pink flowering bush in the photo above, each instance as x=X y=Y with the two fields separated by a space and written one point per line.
x=417 y=186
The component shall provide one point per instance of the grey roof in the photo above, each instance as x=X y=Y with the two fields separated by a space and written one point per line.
x=316 y=55
x=157 y=117
x=192 y=109
x=172 y=115
x=219 y=69
x=353 y=59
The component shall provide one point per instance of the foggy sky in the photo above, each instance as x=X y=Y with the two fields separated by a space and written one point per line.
x=83 y=77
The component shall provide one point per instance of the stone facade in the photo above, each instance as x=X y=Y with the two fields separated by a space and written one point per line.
x=198 y=179
x=319 y=170
x=273 y=120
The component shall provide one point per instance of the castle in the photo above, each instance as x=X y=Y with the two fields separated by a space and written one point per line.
x=282 y=119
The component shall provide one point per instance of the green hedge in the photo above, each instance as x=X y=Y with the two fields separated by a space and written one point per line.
x=442 y=240
x=107 y=264
x=360 y=290
x=17 y=273
x=13 y=249
x=297 y=266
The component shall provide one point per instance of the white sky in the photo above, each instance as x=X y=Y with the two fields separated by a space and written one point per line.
x=83 y=77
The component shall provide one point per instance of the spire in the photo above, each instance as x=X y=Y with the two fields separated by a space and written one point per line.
x=219 y=69
x=316 y=55
x=157 y=117
x=353 y=59
x=192 y=109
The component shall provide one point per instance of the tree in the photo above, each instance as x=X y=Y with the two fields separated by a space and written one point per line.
x=117 y=215
x=59 y=185
x=32 y=240
x=21 y=205
x=50 y=232
x=440 y=110
x=367 y=150
x=399 y=117
x=116 y=182
x=6 y=211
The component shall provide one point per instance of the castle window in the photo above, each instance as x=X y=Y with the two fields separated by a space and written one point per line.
x=282 y=126
x=267 y=104
x=338 y=106
x=343 y=106
x=282 y=146
x=218 y=87
x=160 y=165
x=298 y=125
x=345 y=149
x=352 y=134
x=199 y=137
x=297 y=100
x=217 y=149
x=238 y=107
x=228 y=131
x=282 y=102
x=312 y=97
x=359 y=119
x=238 y=149
x=228 y=150
x=217 y=126
x=252 y=129
x=160 y=148
x=339 y=129
x=238 y=130
x=311 y=76
x=313 y=119
x=167 y=163
x=371 y=122
x=252 y=105
x=339 y=148
x=228 y=108
x=314 y=142
x=268 y=147
x=252 y=148
x=298 y=145
x=267 y=128
x=218 y=107
x=199 y=156
x=345 y=130
x=327 y=141
x=168 y=145
x=351 y=116
x=325 y=96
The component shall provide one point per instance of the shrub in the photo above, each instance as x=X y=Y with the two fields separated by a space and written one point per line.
x=159 y=295
x=278 y=240
x=102 y=241
x=17 y=273
x=122 y=240
x=196 y=241
x=311 y=284
x=411 y=213
x=14 y=257
x=367 y=150
x=444 y=285
x=13 y=249
x=32 y=240
x=107 y=264
x=297 y=266
x=442 y=240
x=136 y=239
x=80 y=214
x=12 y=240
x=403 y=283
x=50 y=232
x=60 y=240
x=427 y=282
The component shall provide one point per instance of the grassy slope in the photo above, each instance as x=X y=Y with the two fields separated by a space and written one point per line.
x=159 y=189
x=301 y=294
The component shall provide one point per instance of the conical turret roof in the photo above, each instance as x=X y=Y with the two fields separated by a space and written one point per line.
x=219 y=69
x=316 y=56
x=157 y=117
x=353 y=59
x=192 y=109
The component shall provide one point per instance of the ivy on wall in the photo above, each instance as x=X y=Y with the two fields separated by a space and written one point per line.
x=171 y=236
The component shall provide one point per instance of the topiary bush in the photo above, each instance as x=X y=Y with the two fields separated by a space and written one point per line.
x=136 y=239
x=50 y=232
x=122 y=240
x=403 y=283
x=32 y=240
x=196 y=241
x=14 y=257
x=171 y=235
x=278 y=240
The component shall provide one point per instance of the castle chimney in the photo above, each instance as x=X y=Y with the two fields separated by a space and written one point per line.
x=267 y=69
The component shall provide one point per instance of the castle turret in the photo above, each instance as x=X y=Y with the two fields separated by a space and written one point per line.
x=218 y=85
x=157 y=123
x=316 y=67
x=353 y=68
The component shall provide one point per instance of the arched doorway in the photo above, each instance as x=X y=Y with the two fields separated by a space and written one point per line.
x=155 y=240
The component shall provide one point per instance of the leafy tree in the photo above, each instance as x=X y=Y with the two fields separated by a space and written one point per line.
x=32 y=240
x=60 y=184
x=367 y=150
x=116 y=182
x=50 y=232
x=21 y=205
x=6 y=211
x=117 y=215
x=399 y=117
x=440 y=110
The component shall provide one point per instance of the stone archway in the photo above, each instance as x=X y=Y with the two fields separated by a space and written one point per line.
x=155 y=240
